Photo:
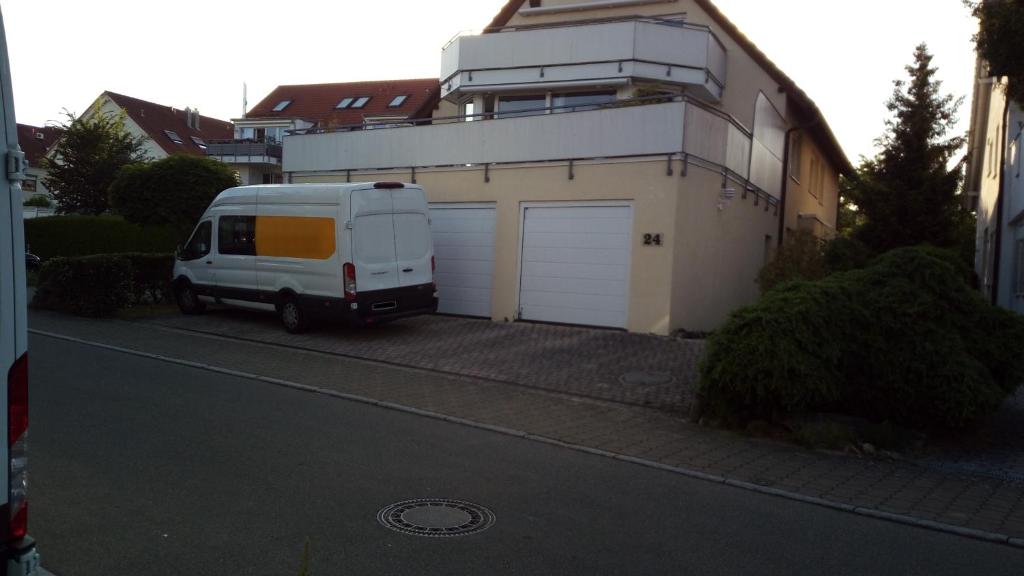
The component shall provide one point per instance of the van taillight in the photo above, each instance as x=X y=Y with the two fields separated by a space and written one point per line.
x=349 y=280
x=388 y=185
x=17 y=443
x=433 y=265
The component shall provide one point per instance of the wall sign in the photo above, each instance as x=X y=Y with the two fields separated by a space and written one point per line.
x=652 y=239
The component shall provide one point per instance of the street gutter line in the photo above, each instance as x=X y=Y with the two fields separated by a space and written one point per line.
x=858 y=510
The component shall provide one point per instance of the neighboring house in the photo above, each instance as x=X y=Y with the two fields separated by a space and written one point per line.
x=995 y=188
x=35 y=142
x=167 y=130
x=255 y=150
x=628 y=164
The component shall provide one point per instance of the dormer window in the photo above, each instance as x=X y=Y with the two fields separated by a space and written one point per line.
x=398 y=101
x=361 y=102
x=174 y=136
x=345 y=103
x=282 y=105
x=199 y=142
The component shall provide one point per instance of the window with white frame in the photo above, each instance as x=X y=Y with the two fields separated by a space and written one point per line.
x=796 y=146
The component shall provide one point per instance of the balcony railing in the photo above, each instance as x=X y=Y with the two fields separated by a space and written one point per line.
x=239 y=150
x=592 y=54
x=676 y=127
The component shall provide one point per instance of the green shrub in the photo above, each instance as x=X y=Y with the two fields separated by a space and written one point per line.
x=88 y=286
x=86 y=235
x=904 y=339
x=37 y=201
x=843 y=254
x=799 y=258
x=151 y=277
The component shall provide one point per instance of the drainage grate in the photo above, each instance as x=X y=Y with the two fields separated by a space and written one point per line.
x=646 y=378
x=436 y=517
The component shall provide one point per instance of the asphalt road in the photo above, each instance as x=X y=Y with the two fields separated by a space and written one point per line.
x=144 y=467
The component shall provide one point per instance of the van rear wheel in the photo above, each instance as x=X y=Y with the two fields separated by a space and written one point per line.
x=292 y=316
x=187 y=300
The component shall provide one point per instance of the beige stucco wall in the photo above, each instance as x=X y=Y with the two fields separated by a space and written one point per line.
x=705 y=268
x=987 y=133
x=744 y=78
x=799 y=199
x=718 y=251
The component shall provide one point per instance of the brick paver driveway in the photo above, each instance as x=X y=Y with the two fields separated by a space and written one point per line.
x=577 y=361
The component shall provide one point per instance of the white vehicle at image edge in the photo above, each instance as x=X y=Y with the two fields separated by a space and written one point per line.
x=19 y=550
x=358 y=253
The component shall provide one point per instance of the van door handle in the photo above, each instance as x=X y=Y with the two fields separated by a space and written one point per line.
x=407 y=270
x=209 y=261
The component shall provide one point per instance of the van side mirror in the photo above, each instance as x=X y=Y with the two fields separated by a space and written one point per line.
x=178 y=251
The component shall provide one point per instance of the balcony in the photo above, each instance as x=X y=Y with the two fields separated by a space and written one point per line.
x=624 y=129
x=245 y=151
x=594 y=54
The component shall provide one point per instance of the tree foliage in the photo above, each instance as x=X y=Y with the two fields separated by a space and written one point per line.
x=174 y=191
x=86 y=160
x=1000 y=40
x=908 y=194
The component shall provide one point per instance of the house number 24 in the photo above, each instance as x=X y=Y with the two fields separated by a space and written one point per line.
x=652 y=239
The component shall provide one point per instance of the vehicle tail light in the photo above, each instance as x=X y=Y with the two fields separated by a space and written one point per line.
x=433 y=265
x=349 y=274
x=17 y=443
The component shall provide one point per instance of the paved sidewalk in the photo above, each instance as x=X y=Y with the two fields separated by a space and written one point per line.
x=578 y=361
x=903 y=488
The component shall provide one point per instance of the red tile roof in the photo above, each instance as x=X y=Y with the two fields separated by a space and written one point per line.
x=317 y=102
x=155 y=118
x=818 y=126
x=36 y=141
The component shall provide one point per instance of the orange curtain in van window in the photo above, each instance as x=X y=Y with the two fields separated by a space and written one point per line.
x=295 y=237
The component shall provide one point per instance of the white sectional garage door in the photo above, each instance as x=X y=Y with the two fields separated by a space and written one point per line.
x=575 y=264
x=464 y=251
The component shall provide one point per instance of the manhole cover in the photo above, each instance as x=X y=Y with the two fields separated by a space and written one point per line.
x=646 y=378
x=436 y=517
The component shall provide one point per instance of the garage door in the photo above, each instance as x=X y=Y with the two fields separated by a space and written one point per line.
x=464 y=251
x=575 y=265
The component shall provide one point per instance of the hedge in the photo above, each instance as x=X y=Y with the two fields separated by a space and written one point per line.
x=59 y=236
x=904 y=340
x=102 y=284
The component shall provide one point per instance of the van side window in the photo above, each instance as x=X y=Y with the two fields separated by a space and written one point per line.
x=199 y=244
x=237 y=235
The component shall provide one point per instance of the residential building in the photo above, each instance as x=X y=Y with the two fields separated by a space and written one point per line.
x=629 y=164
x=166 y=130
x=255 y=149
x=35 y=142
x=995 y=188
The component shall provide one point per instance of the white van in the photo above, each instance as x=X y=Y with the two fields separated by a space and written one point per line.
x=361 y=253
x=18 y=555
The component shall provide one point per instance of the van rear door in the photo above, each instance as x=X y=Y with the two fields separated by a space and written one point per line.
x=413 y=243
x=373 y=240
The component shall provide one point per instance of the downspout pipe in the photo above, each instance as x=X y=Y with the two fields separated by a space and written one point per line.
x=997 y=253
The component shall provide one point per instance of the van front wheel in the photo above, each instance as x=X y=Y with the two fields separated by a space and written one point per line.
x=292 y=316
x=188 y=301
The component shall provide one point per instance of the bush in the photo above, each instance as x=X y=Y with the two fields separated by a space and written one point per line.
x=843 y=254
x=151 y=277
x=174 y=191
x=88 y=286
x=37 y=201
x=63 y=236
x=904 y=340
x=799 y=258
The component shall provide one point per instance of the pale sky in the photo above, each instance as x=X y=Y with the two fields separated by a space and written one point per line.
x=181 y=53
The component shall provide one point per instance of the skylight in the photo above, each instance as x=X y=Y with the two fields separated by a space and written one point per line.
x=345 y=103
x=198 y=142
x=361 y=101
x=174 y=136
x=398 y=101
x=282 y=105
